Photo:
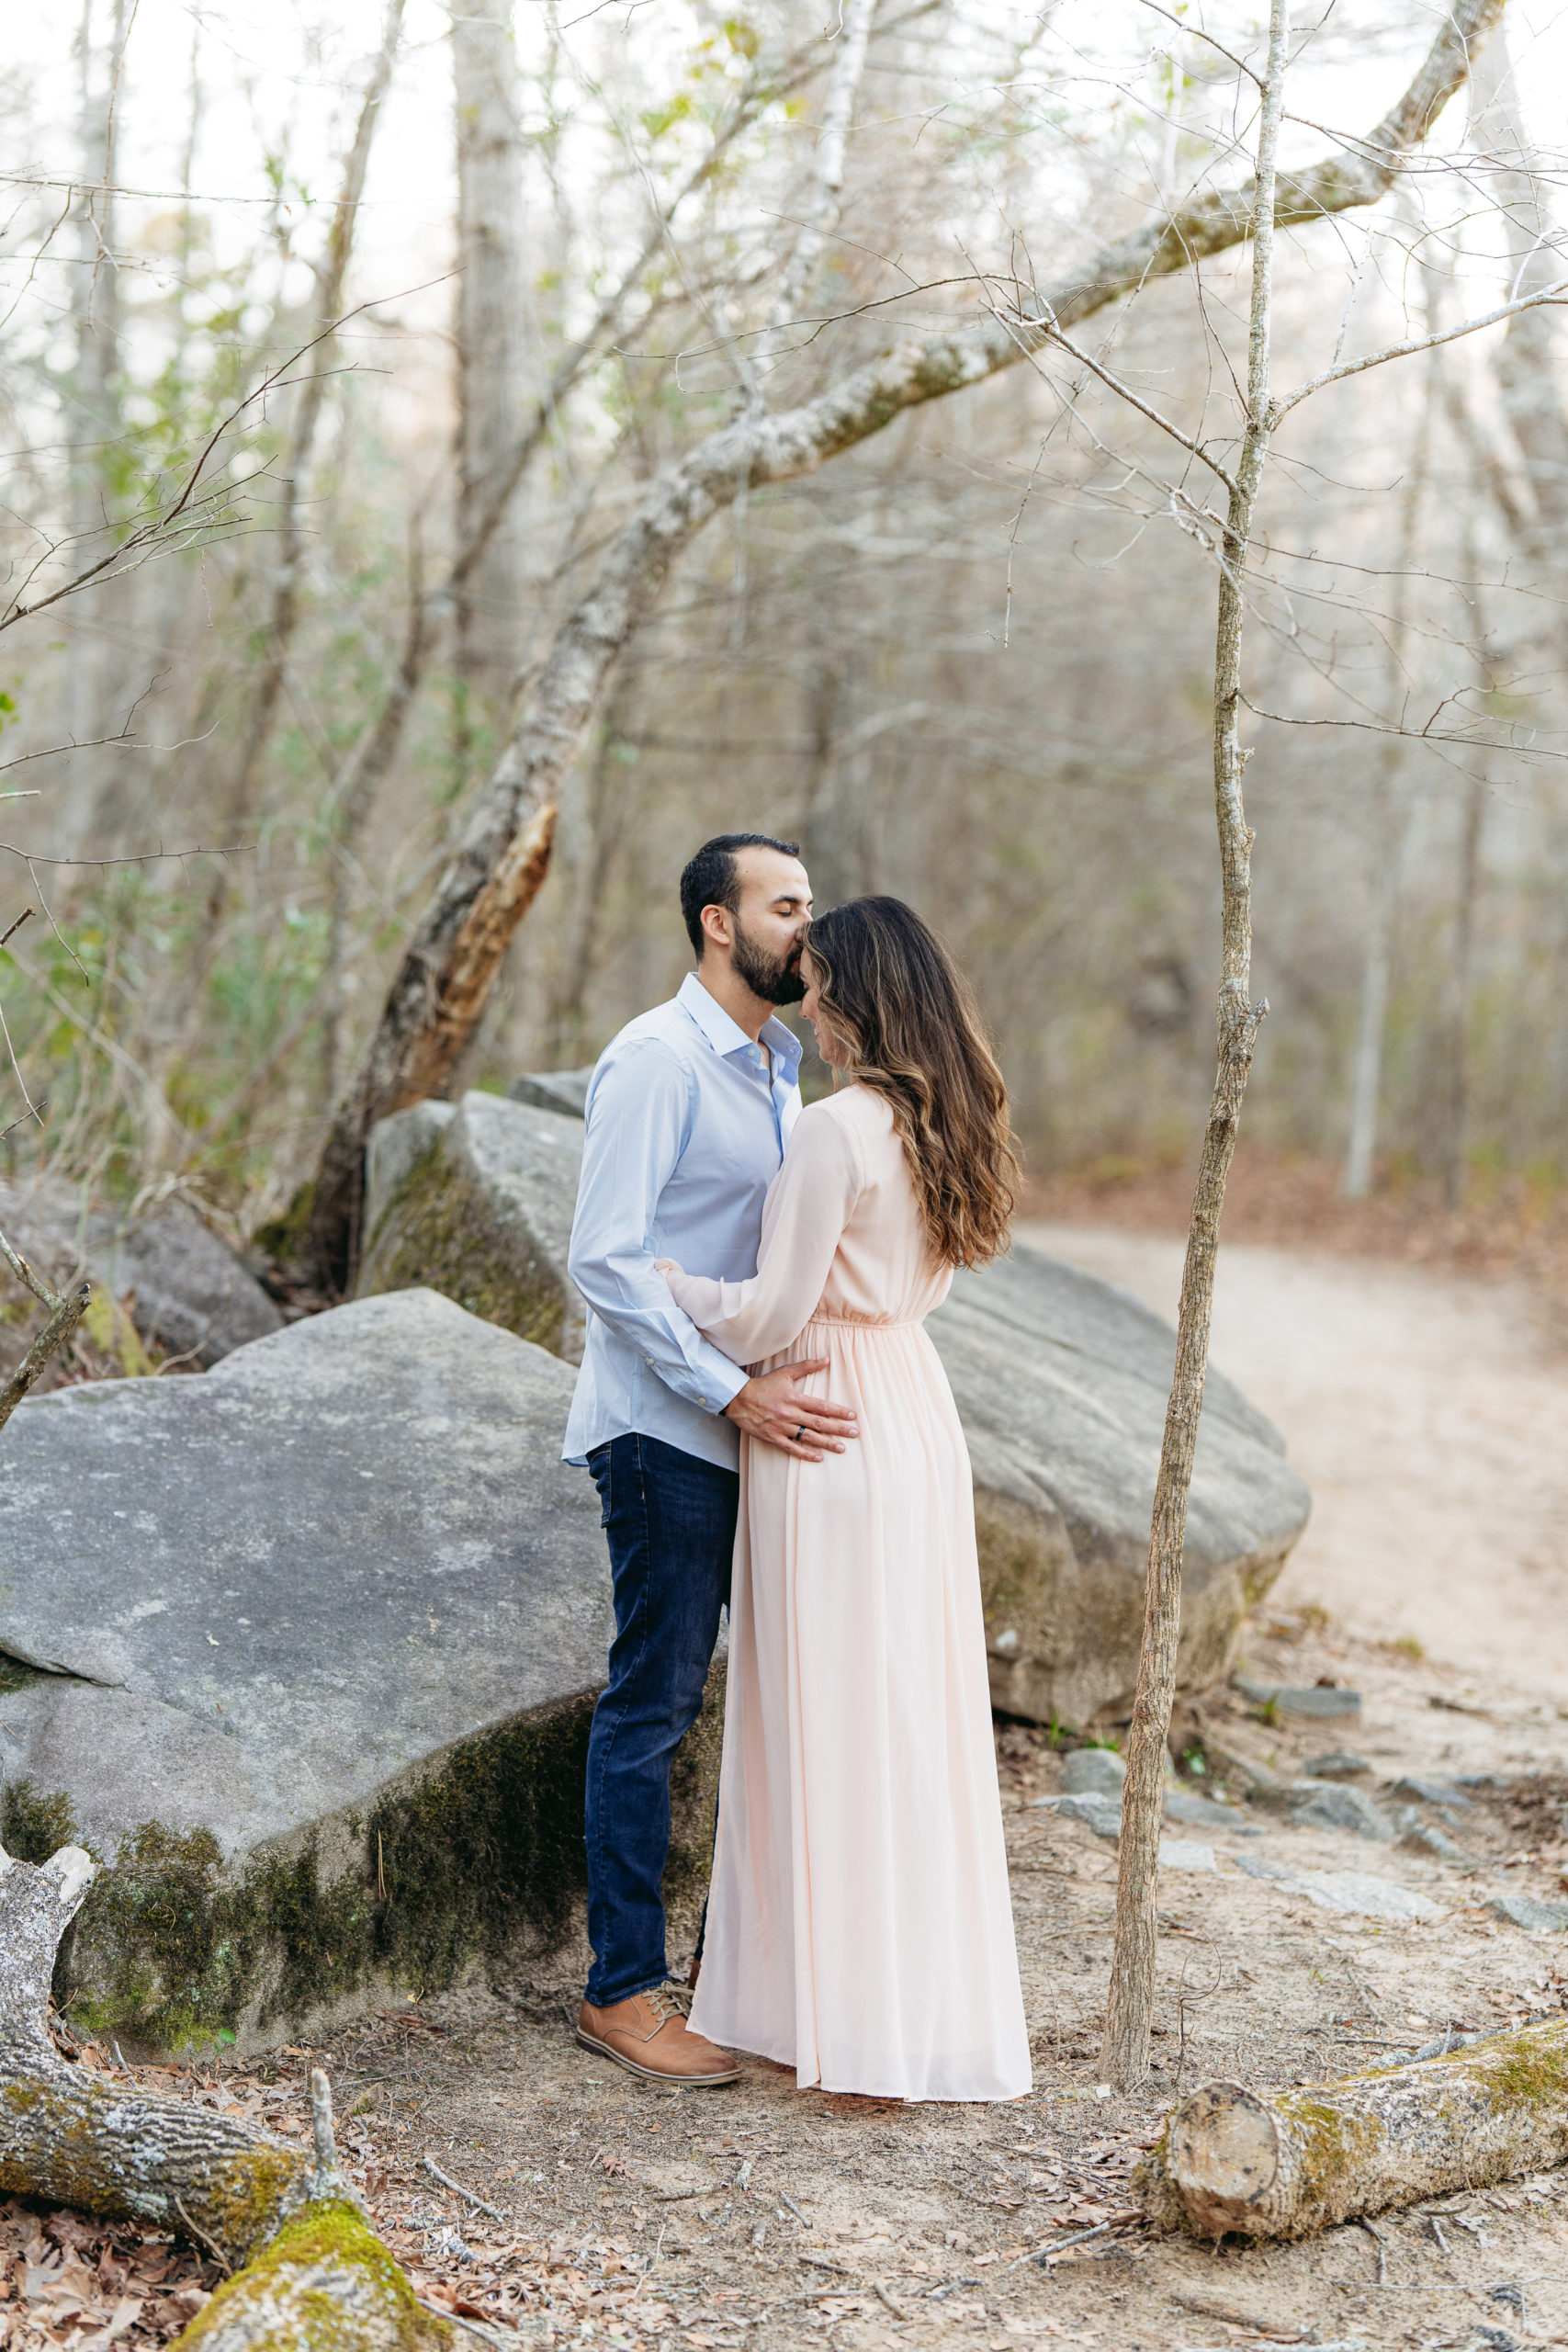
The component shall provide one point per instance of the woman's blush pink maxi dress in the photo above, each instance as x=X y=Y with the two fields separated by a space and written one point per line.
x=859 y=1926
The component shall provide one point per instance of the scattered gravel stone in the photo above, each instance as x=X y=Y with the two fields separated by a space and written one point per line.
x=1340 y=1764
x=1526 y=1911
x=1184 y=1854
x=1444 y=1793
x=1419 y=1837
x=1351 y=1891
x=1194 y=1812
x=1334 y=1808
x=1102 y=1814
x=1310 y=1699
x=1094 y=1772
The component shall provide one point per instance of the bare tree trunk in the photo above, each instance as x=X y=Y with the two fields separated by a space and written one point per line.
x=288 y=526
x=1387 y=812
x=91 y=668
x=592 y=858
x=437 y=995
x=1124 y=2059
x=492 y=367
x=828 y=171
x=1463 y=988
x=1524 y=359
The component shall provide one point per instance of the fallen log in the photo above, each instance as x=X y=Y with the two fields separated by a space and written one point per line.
x=308 y=2269
x=1302 y=2160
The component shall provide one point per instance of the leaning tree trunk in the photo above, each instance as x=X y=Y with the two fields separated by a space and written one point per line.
x=308 y=2269
x=1305 y=2159
x=1130 y=2012
x=493 y=364
x=438 y=994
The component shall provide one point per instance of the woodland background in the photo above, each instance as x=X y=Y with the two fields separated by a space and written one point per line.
x=968 y=661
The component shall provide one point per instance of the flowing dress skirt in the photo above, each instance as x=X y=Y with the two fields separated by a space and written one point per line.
x=859 y=1926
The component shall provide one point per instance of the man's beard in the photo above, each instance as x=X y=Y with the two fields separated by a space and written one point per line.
x=776 y=981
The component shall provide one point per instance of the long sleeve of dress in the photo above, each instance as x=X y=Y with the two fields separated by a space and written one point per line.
x=809 y=1206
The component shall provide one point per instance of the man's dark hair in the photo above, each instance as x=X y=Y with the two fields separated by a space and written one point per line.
x=713 y=878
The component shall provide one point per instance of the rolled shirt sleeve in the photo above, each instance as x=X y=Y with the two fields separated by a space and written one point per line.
x=637 y=1125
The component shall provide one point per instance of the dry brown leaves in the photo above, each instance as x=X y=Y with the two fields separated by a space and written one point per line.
x=83 y=2285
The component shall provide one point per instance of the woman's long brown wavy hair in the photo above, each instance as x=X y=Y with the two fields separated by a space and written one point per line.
x=909 y=1029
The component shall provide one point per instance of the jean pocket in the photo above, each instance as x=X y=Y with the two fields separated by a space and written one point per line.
x=599 y=1471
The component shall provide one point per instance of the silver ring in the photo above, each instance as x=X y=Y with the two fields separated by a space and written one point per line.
x=800 y=1433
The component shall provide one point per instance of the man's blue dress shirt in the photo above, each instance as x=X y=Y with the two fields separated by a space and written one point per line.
x=686 y=1129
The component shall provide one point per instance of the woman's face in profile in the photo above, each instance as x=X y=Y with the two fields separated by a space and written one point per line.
x=811 y=1007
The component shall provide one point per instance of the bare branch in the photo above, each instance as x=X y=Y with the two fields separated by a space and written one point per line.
x=1556 y=293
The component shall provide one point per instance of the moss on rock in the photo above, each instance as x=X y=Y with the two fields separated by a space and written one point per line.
x=477 y=1864
x=33 y=1825
x=436 y=1233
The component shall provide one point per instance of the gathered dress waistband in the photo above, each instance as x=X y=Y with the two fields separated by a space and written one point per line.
x=844 y=1321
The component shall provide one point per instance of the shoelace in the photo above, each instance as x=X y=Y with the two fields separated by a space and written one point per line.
x=665 y=2003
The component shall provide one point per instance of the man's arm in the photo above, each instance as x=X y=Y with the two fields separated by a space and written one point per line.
x=636 y=1129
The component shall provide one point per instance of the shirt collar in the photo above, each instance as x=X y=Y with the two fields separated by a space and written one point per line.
x=727 y=1036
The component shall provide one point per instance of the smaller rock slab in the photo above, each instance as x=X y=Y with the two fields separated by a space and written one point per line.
x=1309 y=1699
x=1094 y=1772
x=188 y=1295
x=1100 y=1814
x=1194 y=1812
x=477 y=1203
x=1334 y=1806
x=564 y=1090
x=1340 y=1764
x=1442 y=1793
x=1526 y=1911
x=1347 y=1891
x=1183 y=1854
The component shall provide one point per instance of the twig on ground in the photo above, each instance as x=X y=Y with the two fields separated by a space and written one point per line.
x=786 y=2199
x=1276 y=2331
x=1377 y=2238
x=457 y=2189
x=1048 y=2253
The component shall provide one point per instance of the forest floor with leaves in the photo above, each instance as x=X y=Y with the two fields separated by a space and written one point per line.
x=759 y=2215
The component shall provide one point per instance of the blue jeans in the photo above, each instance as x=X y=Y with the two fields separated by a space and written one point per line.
x=670 y=1518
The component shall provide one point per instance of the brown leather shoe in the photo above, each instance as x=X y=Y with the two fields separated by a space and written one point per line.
x=648 y=2036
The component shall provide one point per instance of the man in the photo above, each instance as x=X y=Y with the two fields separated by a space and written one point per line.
x=688 y=1114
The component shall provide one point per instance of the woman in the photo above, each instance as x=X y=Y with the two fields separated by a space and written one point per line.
x=859 y=1926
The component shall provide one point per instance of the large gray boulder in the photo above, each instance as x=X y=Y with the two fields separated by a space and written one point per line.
x=187 y=1293
x=307 y=1649
x=476 y=1201
x=1061 y=1381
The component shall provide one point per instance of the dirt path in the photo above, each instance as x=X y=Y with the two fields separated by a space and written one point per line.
x=1430 y=1416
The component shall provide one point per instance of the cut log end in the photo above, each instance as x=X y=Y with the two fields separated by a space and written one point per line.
x=1304 y=2159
